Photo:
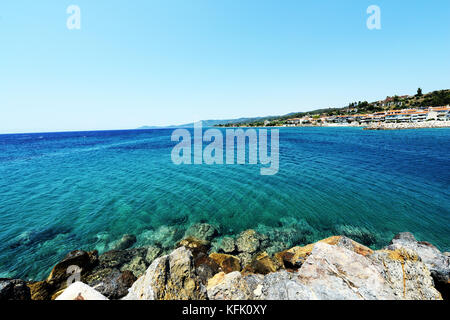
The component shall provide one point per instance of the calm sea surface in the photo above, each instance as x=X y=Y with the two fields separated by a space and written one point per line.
x=84 y=190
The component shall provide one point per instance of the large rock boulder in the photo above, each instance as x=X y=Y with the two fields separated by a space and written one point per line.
x=294 y=258
x=283 y=285
x=406 y=274
x=85 y=261
x=14 y=289
x=171 y=277
x=226 y=262
x=232 y=286
x=111 y=282
x=119 y=258
x=336 y=273
x=262 y=263
x=438 y=263
x=116 y=271
x=80 y=291
x=205 y=267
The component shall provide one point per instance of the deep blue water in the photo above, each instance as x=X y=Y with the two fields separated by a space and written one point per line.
x=84 y=190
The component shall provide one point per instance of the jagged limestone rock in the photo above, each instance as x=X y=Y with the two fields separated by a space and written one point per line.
x=232 y=286
x=336 y=273
x=332 y=272
x=407 y=275
x=438 y=263
x=294 y=258
x=170 y=277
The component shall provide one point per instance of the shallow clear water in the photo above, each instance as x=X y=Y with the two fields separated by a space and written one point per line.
x=66 y=191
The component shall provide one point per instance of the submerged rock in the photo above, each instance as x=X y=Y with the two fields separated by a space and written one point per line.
x=171 y=277
x=245 y=259
x=226 y=245
x=202 y=231
x=127 y=241
x=437 y=262
x=80 y=291
x=137 y=266
x=118 y=258
x=359 y=234
x=152 y=253
x=165 y=237
x=248 y=241
x=14 y=289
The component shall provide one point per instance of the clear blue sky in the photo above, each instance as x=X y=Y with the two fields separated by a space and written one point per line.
x=167 y=62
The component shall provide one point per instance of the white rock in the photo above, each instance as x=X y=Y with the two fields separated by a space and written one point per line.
x=80 y=291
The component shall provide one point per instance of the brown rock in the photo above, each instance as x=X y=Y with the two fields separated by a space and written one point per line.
x=227 y=263
x=56 y=282
x=196 y=246
x=205 y=267
x=40 y=290
x=82 y=259
x=263 y=264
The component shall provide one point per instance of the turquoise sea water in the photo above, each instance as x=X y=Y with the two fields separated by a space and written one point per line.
x=84 y=190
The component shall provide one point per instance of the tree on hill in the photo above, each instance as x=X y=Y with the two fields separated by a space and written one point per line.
x=419 y=92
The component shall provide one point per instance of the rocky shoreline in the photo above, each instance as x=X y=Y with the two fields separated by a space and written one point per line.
x=244 y=268
x=408 y=125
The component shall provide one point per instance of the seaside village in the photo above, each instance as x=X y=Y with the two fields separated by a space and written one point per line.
x=390 y=116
